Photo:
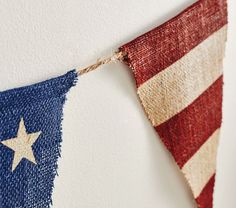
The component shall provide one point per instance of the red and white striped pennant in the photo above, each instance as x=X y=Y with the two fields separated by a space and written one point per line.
x=178 y=71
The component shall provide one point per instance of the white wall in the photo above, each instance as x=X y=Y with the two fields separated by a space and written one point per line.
x=111 y=156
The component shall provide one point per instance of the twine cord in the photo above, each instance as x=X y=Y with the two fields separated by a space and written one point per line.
x=116 y=56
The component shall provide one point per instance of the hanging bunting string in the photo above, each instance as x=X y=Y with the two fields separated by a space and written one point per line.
x=119 y=55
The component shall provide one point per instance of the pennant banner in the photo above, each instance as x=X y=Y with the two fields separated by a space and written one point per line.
x=30 y=137
x=178 y=71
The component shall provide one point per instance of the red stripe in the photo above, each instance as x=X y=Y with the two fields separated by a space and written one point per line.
x=152 y=52
x=205 y=199
x=184 y=133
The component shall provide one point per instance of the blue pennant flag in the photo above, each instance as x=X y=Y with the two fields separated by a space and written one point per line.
x=30 y=140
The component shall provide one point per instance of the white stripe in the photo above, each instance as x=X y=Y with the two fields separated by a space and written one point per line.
x=201 y=167
x=174 y=88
